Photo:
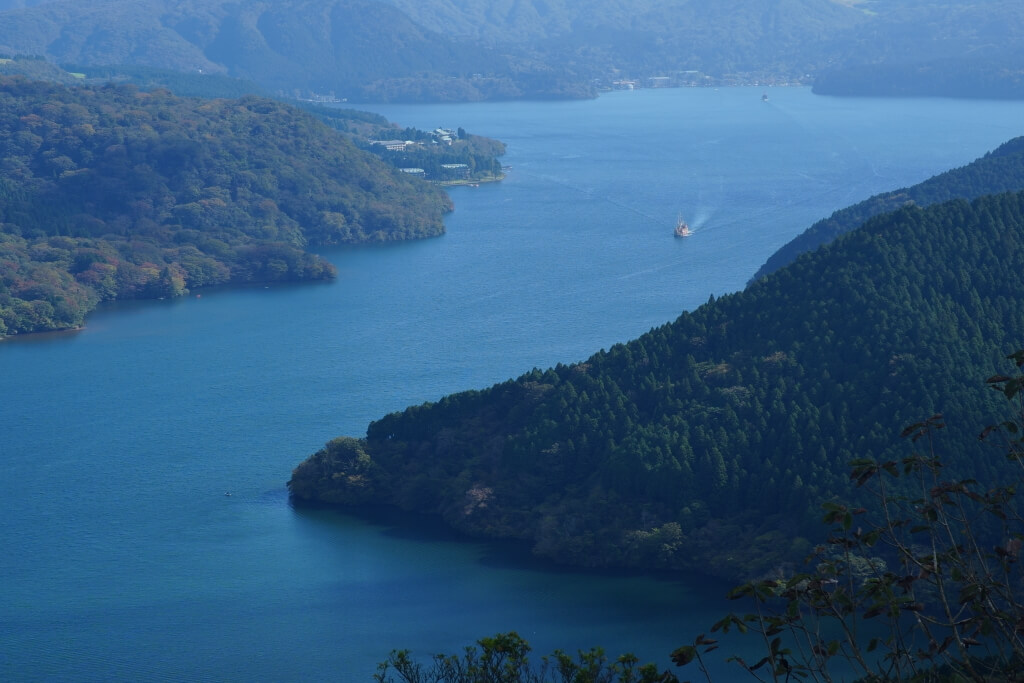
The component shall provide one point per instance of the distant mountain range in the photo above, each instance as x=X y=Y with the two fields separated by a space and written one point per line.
x=359 y=49
x=463 y=50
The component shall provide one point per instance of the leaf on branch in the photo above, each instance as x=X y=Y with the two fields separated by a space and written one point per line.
x=727 y=622
x=684 y=655
x=740 y=591
x=739 y=660
x=912 y=429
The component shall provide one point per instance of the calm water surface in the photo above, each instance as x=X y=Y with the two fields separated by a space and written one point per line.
x=123 y=559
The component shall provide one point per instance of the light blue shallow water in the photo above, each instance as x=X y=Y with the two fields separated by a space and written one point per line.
x=122 y=557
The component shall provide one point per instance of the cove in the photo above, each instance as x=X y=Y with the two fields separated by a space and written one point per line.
x=125 y=560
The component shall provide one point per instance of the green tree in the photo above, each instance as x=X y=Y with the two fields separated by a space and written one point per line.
x=926 y=584
x=504 y=658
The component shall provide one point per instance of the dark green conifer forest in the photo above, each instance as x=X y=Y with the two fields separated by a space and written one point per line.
x=710 y=443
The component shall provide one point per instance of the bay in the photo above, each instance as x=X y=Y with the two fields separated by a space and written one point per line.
x=125 y=560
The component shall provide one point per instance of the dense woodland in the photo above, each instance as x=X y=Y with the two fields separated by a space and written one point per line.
x=478 y=152
x=112 y=192
x=184 y=84
x=709 y=443
x=1001 y=170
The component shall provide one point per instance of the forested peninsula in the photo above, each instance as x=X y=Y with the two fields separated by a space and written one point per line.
x=1001 y=170
x=709 y=443
x=112 y=192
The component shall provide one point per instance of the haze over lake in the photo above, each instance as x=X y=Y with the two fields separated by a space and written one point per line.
x=126 y=560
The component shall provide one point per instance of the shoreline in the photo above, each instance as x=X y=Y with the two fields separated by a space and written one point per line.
x=471 y=181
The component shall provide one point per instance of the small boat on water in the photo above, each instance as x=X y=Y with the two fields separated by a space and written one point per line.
x=682 y=229
x=764 y=97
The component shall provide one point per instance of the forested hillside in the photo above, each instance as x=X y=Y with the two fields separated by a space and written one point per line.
x=1001 y=170
x=897 y=47
x=949 y=48
x=111 y=192
x=653 y=37
x=709 y=442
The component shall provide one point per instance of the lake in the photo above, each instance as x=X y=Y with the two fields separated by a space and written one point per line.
x=125 y=560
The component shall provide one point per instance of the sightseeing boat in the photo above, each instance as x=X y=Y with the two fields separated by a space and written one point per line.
x=682 y=229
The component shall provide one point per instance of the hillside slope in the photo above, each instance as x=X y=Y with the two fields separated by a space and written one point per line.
x=650 y=36
x=709 y=442
x=111 y=192
x=1001 y=170
x=897 y=47
x=950 y=48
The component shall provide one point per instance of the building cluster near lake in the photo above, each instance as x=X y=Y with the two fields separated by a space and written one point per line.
x=438 y=136
x=692 y=78
x=441 y=156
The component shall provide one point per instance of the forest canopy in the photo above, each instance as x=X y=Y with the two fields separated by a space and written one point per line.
x=112 y=192
x=709 y=443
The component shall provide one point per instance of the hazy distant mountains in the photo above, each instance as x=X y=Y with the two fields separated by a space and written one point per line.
x=359 y=49
x=478 y=49
x=646 y=37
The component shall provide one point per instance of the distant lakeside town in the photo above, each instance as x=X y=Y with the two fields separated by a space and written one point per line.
x=674 y=79
x=698 y=79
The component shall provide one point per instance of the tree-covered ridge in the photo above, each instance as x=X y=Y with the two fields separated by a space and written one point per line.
x=965 y=47
x=479 y=153
x=182 y=83
x=1001 y=170
x=111 y=192
x=951 y=48
x=708 y=442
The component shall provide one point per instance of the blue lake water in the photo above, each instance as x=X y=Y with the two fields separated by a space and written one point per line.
x=124 y=560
